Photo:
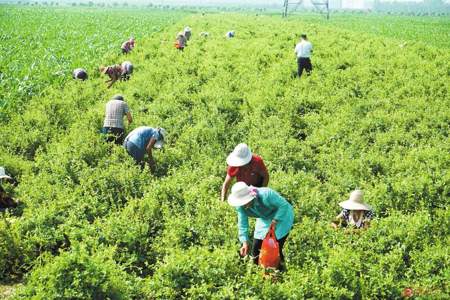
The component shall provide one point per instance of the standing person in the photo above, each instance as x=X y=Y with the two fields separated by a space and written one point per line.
x=187 y=33
x=80 y=74
x=268 y=207
x=355 y=212
x=127 y=46
x=181 y=41
x=5 y=200
x=141 y=141
x=246 y=167
x=113 y=126
x=114 y=73
x=303 y=52
x=127 y=70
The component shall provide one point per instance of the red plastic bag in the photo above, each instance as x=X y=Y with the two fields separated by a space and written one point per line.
x=269 y=256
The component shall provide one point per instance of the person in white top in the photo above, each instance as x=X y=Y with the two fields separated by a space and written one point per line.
x=303 y=52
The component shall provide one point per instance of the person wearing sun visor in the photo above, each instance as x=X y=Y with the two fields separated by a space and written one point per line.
x=141 y=141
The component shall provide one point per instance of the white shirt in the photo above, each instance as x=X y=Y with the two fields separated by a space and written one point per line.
x=303 y=49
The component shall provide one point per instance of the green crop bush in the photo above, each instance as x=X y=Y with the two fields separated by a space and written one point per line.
x=371 y=116
x=79 y=275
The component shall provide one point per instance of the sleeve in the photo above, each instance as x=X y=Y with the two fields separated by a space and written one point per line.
x=242 y=225
x=126 y=109
x=369 y=215
x=275 y=200
x=232 y=171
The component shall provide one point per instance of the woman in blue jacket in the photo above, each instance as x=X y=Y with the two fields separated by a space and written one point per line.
x=268 y=207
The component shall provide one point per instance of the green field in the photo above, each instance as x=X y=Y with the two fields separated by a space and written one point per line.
x=374 y=115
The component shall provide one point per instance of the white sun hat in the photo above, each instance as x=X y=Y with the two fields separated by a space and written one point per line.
x=162 y=137
x=241 y=194
x=355 y=202
x=240 y=156
x=3 y=174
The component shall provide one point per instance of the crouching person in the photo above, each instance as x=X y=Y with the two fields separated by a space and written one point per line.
x=141 y=141
x=127 y=70
x=355 y=213
x=113 y=125
x=80 y=74
x=268 y=207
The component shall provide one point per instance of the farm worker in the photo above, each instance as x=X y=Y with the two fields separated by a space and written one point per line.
x=5 y=200
x=79 y=74
x=113 y=125
x=187 y=33
x=303 y=52
x=268 y=207
x=127 y=46
x=181 y=41
x=141 y=141
x=246 y=167
x=127 y=70
x=355 y=213
x=230 y=34
x=114 y=72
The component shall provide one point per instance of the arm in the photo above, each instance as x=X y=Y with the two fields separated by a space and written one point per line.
x=243 y=231
x=225 y=187
x=130 y=118
x=148 y=149
x=113 y=79
x=242 y=225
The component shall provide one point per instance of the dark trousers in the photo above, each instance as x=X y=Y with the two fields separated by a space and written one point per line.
x=304 y=63
x=256 y=249
x=114 y=134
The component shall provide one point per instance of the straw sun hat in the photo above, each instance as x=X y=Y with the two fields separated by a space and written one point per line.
x=241 y=194
x=355 y=202
x=3 y=174
x=240 y=156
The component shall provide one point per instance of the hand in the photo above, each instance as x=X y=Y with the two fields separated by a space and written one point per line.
x=152 y=165
x=274 y=223
x=244 y=249
x=334 y=225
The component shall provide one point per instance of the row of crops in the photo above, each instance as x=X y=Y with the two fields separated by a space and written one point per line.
x=374 y=115
x=41 y=47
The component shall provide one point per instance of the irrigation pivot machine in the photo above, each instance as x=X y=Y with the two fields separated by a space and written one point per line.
x=323 y=6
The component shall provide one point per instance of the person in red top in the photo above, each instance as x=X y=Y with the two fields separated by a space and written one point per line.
x=246 y=167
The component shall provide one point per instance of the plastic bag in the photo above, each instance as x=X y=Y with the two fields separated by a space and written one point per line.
x=269 y=256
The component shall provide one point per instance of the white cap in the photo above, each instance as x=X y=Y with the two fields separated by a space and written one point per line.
x=241 y=194
x=3 y=174
x=240 y=156
x=162 y=136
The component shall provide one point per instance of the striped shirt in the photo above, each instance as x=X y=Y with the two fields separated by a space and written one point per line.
x=115 y=110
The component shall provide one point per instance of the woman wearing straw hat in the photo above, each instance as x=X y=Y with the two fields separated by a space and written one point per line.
x=114 y=73
x=5 y=200
x=268 y=207
x=246 y=167
x=141 y=141
x=355 y=212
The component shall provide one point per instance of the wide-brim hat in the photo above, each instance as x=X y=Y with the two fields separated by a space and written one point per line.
x=240 y=156
x=241 y=194
x=355 y=202
x=162 y=137
x=3 y=174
